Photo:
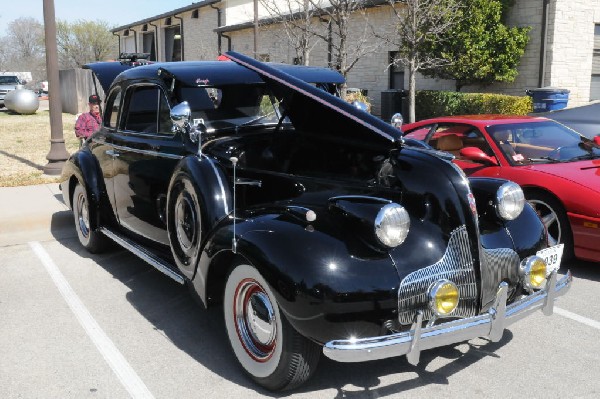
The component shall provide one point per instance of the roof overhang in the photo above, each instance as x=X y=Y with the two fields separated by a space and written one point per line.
x=193 y=6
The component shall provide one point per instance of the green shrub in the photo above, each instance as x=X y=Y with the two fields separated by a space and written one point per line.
x=429 y=104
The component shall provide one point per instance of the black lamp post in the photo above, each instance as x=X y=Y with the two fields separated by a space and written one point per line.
x=58 y=152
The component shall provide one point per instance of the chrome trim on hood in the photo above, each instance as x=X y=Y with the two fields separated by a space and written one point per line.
x=457 y=266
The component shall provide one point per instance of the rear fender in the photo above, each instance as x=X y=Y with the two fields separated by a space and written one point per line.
x=83 y=168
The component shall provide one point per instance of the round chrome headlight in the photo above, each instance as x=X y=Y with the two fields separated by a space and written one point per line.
x=510 y=200
x=443 y=297
x=391 y=225
x=533 y=272
x=397 y=120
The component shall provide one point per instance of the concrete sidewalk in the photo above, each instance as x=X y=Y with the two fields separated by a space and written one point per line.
x=33 y=213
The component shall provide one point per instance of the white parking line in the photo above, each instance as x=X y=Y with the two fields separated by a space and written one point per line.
x=576 y=317
x=120 y=366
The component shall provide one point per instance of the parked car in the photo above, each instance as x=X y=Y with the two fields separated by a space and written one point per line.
x=558 y=168
x=8 y=83
x=306 y=219
x=583 y=119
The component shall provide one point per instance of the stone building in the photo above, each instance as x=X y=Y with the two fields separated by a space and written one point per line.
x=563 y=50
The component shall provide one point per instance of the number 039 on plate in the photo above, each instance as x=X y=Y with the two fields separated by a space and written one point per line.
x=552 y=256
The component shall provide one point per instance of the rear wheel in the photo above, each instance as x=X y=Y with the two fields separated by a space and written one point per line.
x=554 y=217
x=93 y=241
x=263 y=341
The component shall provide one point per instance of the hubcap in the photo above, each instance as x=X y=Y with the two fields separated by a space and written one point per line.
x=549 y=219
x=255 y=321
x=83 y=219
x=185 y=222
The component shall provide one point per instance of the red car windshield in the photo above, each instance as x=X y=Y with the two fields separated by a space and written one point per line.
x=547 y=141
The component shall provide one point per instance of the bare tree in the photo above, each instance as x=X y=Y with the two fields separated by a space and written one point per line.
x=84 y=41
x=26 y=35
x=296 y=19
x=348 y=41
x=23 y=49
x=419 y=24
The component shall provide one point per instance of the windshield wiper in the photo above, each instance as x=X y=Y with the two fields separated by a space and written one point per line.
x=544 y=159
x=585 y=156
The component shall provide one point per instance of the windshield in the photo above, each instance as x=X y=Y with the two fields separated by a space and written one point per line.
x=535 y=142
x=230 y=106
x=9 y=80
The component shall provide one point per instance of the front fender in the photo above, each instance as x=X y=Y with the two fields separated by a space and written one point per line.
x=324 y=291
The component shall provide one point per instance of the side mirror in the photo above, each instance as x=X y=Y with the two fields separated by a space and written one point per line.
x=597 y=140
x=397 y=120
x=475 y=154
x=181 y=115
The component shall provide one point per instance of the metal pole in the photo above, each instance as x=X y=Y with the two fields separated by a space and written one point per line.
x=58 y=152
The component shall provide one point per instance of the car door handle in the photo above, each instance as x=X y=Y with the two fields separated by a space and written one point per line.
x=112 y=153
x=240 y=181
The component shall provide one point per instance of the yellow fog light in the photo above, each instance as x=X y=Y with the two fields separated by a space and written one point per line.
x=533 y=272
x=443 y=297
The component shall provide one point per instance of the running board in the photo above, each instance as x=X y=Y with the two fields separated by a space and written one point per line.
x=144 y=254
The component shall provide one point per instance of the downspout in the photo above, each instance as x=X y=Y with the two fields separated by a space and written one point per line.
x=255 y=29
x=155 y=39
x=228 y=41
x=219 y=35
x=134 y=40
x=545 y=17
x=181 y=33
x=119 y=36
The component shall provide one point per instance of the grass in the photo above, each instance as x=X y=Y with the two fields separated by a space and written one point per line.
x=24 y=144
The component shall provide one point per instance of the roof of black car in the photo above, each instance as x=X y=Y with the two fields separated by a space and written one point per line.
x=206 y=73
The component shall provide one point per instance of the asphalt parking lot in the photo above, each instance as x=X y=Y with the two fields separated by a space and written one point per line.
x=75 y=325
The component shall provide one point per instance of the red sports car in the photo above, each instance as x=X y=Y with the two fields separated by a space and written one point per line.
x=558 y=168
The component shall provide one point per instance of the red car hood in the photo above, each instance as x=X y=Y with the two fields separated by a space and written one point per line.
x=585 y=173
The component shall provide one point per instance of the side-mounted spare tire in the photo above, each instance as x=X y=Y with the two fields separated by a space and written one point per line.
x=184 y=222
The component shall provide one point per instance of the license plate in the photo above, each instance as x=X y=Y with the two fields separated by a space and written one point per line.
x=552 y=256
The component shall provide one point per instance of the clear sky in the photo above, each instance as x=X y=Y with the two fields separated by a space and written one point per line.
x=115 y=12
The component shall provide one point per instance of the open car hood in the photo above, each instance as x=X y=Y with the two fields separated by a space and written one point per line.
x=316 y=111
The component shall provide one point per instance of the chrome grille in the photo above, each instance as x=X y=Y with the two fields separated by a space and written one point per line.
x=457 y=266
x=497 y=265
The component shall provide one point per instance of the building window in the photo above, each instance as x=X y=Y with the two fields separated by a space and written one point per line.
x=396 y=73
x=173 y=43
x=595 y=82
x=148 y=45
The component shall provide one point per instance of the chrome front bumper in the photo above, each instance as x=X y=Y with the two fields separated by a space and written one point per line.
x=490 y=324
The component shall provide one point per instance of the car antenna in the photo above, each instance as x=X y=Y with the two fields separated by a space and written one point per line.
x=234 y=161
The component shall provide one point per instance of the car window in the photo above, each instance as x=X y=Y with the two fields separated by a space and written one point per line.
x=147 y=111
x=542 y=141
x=112 y=108
x=418 y=133
x=231 y=105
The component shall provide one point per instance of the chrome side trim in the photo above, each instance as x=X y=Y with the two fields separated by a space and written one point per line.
x=146 y=152
x=144 y=254
x=490 y=324
x=457 y=266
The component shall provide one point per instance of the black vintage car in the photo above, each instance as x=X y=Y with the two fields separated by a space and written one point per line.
x=308 y=220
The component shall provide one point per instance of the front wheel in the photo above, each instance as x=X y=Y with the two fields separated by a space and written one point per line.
x=263 y=341
x=554 y=218
x=93 y=241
